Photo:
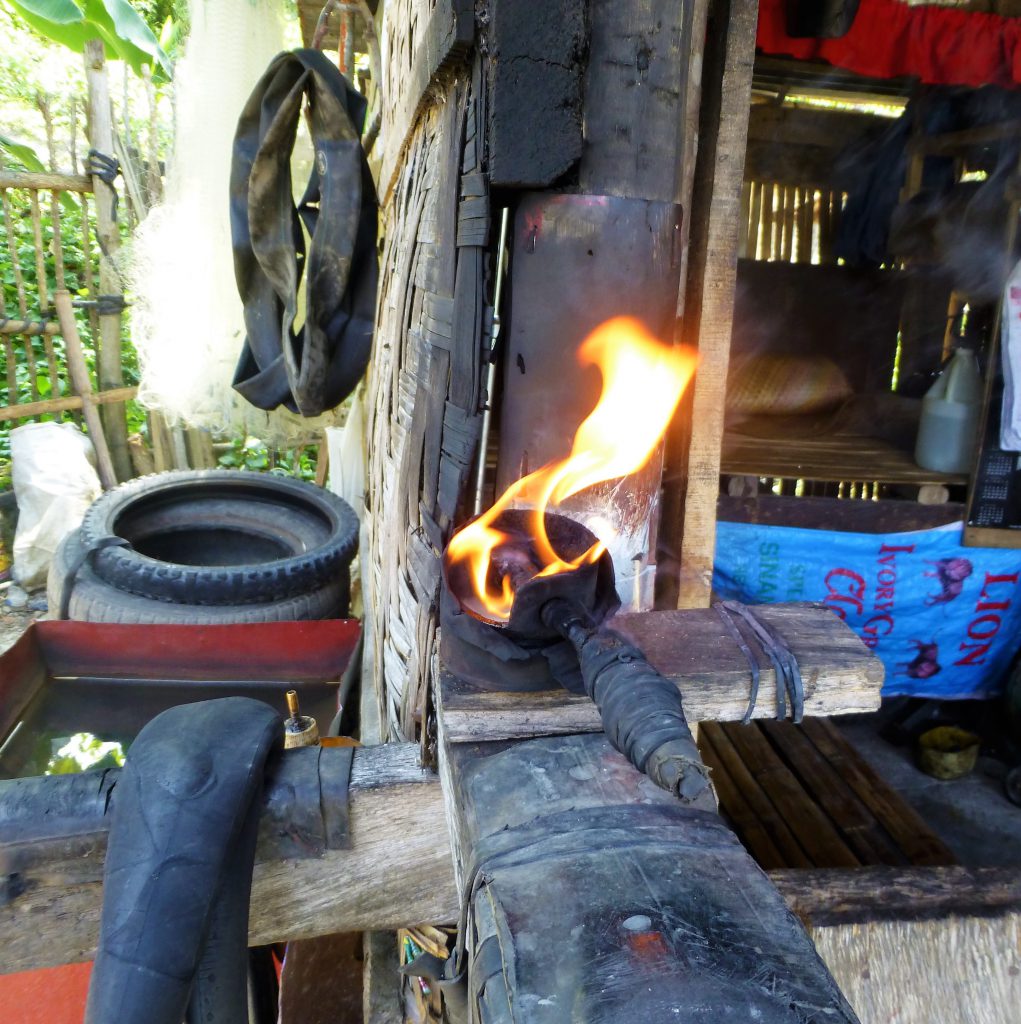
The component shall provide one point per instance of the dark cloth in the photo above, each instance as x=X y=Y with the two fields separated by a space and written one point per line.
x=966 y=220
x=316 y=368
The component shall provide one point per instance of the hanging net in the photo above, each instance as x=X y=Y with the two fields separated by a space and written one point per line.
x=186 y=317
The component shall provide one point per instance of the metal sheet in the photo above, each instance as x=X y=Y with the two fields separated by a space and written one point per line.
x=577 y=261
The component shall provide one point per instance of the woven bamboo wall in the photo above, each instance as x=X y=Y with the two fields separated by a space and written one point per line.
x=424 y=393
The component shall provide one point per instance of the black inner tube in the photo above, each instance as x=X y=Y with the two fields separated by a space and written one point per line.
x=177 y=881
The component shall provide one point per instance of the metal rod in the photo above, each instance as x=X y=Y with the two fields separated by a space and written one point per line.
x=487 y=415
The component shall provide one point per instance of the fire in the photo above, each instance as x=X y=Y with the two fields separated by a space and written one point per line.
x=643 y=381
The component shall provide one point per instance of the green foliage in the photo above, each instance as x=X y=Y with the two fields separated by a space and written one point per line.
x=124 y=32
x=55 y=754
x=253 y=453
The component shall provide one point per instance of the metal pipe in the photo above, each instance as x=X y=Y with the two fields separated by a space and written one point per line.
x=487 y=415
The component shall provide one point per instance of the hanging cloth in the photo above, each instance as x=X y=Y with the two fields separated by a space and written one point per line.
x=888 y=39
x=317 y=367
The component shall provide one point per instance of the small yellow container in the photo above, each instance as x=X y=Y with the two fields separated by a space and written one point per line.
x=947 y=752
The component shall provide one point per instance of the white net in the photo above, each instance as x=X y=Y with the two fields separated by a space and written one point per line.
x=186 y=316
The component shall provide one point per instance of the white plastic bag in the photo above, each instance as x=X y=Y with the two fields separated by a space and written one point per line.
x=346 y=447
x=55 y=481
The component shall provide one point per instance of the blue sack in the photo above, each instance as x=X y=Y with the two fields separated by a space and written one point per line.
x=944 y=619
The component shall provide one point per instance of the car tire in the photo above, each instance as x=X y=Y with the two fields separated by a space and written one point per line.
x=219 y=537
x=92 y=599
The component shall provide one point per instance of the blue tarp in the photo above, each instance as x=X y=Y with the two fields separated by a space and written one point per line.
x=944 y=619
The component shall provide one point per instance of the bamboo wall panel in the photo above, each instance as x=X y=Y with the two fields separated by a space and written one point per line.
x=420 y=39
x=425 y=391
x=789 y=223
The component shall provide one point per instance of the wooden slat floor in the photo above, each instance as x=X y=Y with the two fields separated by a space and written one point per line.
x=800 y=796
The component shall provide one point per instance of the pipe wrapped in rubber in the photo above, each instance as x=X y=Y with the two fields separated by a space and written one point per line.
x=641 y=711
x=178 y=871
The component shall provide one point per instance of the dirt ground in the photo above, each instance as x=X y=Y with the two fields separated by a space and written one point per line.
x=13 y=623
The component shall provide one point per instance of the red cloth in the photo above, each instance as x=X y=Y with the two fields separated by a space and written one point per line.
x=888 y=39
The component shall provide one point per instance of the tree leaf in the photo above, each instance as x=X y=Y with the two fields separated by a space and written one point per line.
x=23 y=153
x=60 y=12
x=73 y=35
x=124 y=33
x=130 y=30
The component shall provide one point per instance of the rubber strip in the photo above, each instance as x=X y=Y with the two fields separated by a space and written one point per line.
x=788 y=673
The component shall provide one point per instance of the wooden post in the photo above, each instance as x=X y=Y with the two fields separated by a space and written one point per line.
x=79 y=374
x=709 y=301
x=109 y=369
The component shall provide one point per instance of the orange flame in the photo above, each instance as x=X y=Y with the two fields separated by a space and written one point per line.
x=643 y=381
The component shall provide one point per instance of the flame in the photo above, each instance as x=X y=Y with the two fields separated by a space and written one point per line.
x=643 y=381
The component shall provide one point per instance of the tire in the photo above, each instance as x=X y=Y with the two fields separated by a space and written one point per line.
x=94 y=600
x=220 y=537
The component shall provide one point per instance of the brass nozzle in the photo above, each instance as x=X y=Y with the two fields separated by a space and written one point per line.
x=292 y=703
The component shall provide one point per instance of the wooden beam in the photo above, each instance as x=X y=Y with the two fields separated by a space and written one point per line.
x=709 y=303
x=397 y=872
x=692 y=648
x=589 y=887
x=861 y=895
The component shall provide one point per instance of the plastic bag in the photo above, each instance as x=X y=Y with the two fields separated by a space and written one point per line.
x=55 y=481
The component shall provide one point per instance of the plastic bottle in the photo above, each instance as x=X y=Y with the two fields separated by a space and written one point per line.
x=950 y=415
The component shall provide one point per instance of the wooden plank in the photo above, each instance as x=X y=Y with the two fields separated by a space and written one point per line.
x=718 y=202
x=750 y=811
x=381 y=980
x=866 y=837
x=396 y=873
x=958 y=142
x=907 y=828
x=41 y=180
x=836 y=457
x=861 y=895
x=803 y=126
x=814 y=830
x=810 y=513
x=694 y=650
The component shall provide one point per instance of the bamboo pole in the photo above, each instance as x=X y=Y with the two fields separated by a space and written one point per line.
x=109 y=356
x=9 y=325
x=68 y=403
x=40 y=180
x=79 y=374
